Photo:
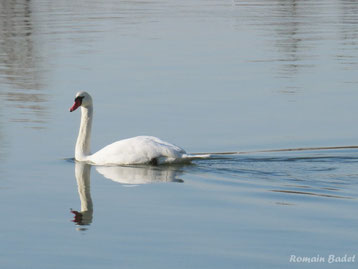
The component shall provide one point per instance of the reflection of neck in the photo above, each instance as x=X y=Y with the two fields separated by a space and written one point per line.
x=83 y=172
x=83 y=147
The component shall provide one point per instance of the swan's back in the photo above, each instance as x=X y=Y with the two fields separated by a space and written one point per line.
x=137 y=150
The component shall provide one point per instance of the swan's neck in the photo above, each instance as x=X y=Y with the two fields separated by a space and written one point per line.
x=83 y=144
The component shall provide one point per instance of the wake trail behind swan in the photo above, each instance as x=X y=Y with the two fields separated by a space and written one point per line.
x=207 y=154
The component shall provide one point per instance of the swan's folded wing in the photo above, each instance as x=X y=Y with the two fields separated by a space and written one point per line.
x=136 y=150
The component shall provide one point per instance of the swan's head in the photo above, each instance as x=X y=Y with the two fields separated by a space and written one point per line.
x=82 y=99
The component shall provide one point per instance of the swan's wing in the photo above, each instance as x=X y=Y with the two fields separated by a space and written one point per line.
x=136 y=150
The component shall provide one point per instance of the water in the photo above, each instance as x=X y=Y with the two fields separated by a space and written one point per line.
x=210 y=76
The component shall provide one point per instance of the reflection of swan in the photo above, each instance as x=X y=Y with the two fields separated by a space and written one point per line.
x=83 y=174
x=122 y=174
x=140 y=174
x=136 y=150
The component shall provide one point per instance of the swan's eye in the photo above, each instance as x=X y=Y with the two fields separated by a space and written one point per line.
x=79 y=99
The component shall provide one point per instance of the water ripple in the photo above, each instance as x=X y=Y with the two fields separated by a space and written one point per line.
x=328 y=174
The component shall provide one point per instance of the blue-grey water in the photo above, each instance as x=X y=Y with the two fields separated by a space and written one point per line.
x=210 y=76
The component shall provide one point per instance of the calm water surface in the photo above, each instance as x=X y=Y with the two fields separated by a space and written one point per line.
x=210 y=76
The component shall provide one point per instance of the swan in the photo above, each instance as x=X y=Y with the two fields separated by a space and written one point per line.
x=135 y=150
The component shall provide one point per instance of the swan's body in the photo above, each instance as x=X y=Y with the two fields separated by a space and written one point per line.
x=136 y=150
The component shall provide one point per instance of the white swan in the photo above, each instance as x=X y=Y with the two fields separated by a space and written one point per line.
x=136 y=150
